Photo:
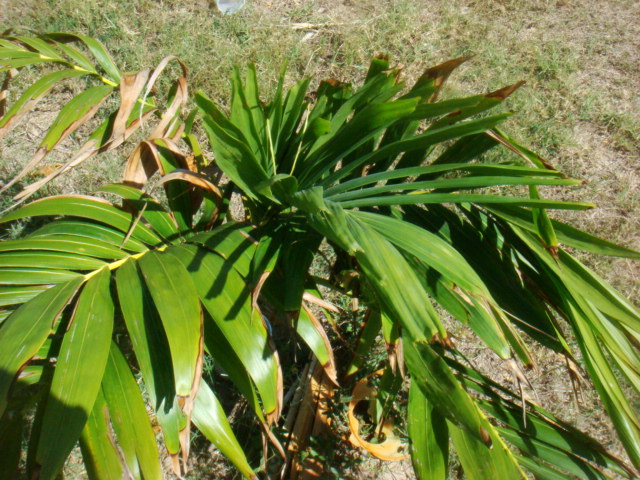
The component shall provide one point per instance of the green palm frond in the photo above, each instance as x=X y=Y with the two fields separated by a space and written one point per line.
x=70 y=56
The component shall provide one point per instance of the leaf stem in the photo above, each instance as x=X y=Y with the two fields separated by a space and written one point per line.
x=121 y=261
x=271 y=150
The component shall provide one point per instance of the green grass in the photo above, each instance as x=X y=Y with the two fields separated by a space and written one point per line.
x=519 y=41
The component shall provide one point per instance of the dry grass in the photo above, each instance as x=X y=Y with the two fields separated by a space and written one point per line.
x=580 y=108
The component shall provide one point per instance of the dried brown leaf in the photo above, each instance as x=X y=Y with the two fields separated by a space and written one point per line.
x=141 y=164
x=3 y=95
x=440 y=73
x=130 y=88
x=312 y=420
x=391 y=449
x=179 y=100
x=308 y=297
x=504 y=92
x=330 y=366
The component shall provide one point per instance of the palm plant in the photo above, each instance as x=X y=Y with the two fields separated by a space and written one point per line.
x=110 y=308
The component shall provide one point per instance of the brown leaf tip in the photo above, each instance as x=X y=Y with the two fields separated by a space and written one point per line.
x=445 y=342
x=486 y=438
x=503 y=93
x=334 y=82
x=444 y=69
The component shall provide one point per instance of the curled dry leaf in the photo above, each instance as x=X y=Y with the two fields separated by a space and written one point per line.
x=329 y=367
x=5 y=87
x=174 y=108
x=396 y=357
x=144 y=161
x=130 y=88
x=193 y=178
x=141 y=165
x=392 y=449
x=308 y=297
x=158 y=70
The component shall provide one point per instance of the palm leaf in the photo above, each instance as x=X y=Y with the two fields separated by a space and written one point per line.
x=393 y=190
x=79 y=370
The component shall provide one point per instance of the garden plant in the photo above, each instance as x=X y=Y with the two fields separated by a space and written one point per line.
x=205 y=253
